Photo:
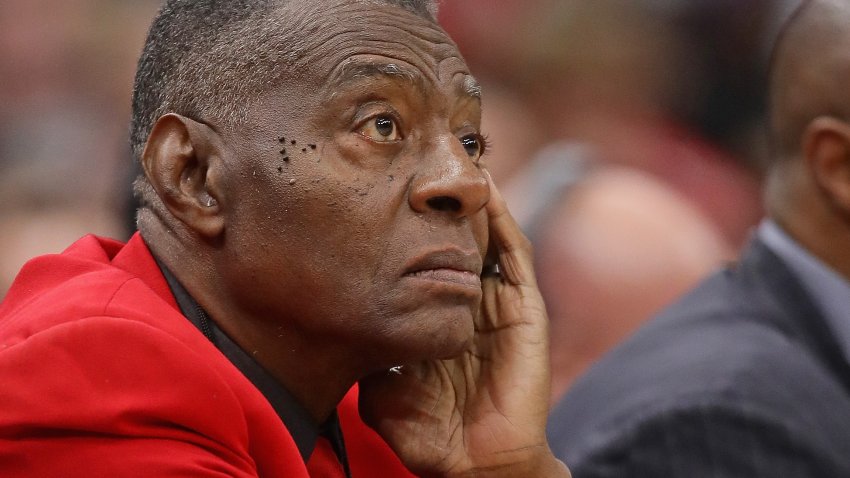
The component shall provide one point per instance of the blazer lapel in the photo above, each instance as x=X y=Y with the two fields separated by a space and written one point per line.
x=766 y=280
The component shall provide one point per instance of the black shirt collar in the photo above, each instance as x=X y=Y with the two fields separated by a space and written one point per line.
x=296 y=419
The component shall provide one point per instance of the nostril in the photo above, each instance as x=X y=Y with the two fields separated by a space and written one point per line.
x=444 y=204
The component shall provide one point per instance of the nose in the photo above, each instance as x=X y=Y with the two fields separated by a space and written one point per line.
x=449 y=182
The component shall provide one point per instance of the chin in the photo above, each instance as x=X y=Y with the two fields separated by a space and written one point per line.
x=417 y=332
x=445 y=338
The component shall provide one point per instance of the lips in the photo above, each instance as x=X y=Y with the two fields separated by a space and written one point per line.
x=449 y=266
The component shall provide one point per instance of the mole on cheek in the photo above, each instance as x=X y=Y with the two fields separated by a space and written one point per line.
x=282 y=140
x=306 y=149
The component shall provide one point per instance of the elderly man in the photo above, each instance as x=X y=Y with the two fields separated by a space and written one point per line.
x=314 y=214
x=749 y=375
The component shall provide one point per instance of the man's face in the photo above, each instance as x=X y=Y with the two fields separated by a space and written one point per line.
x=356 y=193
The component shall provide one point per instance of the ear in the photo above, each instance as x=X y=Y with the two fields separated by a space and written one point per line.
x=826 y=148
x=182 y=159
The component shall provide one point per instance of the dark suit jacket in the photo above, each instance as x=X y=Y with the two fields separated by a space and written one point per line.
x=742 y=378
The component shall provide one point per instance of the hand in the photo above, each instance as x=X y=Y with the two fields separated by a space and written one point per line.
x=483 y=413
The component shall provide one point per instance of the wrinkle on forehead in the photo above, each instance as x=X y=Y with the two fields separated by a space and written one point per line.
x=355 y=70
x=330 y=32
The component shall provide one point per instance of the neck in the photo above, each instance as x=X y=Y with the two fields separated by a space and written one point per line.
x=829 y=240
x=808 y=215
x=313 y=369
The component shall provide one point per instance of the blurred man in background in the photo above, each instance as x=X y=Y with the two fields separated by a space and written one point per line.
x=748 y=376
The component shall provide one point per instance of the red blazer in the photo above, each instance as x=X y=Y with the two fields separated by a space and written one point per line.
x=101 y=375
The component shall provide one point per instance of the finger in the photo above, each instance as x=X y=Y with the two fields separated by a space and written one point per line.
x=513 y=248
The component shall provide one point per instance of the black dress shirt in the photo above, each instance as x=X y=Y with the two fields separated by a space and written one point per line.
x=303 y=429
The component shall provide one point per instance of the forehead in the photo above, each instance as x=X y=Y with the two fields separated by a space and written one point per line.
x=357 y=41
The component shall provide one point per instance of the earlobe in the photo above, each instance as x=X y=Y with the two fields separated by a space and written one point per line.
x=180 y=160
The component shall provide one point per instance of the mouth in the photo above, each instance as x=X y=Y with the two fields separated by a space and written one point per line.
x=451 y=267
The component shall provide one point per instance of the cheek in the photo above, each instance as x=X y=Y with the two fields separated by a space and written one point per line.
x=340 y=229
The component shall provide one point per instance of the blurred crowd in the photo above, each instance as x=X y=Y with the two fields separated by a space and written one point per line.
x=626 y=134
x=66 y=72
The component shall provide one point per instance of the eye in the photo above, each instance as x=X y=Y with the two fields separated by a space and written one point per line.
x=473 y=144
x=382 y=129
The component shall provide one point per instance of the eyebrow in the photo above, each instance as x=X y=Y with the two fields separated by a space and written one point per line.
x=471 y=87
